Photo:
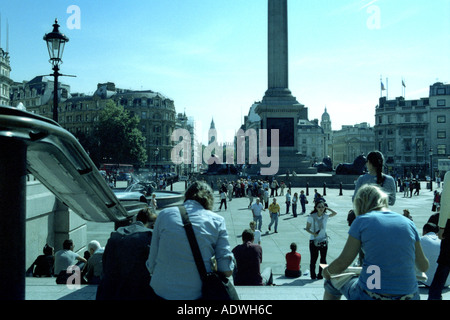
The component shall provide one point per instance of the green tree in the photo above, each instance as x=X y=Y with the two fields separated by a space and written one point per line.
x=118 y=136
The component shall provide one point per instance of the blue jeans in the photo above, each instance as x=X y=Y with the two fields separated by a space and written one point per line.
x=353 y=291
x=274 y=219
x=258 y=220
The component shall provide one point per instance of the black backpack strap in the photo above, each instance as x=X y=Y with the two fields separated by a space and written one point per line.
x=193 y=242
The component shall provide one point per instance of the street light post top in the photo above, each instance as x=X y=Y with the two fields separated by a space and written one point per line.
x=55 y=34
x=55 y=44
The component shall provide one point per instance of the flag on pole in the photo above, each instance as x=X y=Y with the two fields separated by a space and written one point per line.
x=382 y=86
x=403 y=83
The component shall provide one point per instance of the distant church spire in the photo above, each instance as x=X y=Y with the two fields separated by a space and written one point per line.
x=213 y=126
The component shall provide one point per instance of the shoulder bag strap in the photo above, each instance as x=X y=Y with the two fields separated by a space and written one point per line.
x=193 y=242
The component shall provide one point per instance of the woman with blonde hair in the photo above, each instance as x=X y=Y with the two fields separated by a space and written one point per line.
x=392 y=252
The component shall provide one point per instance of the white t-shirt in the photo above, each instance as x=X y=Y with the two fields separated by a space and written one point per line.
x=318 y=223
x=257 y=208
x=257 y=236
x=64 y=259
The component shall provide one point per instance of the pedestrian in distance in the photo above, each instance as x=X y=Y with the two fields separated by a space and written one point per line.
x=257 y=209
x=294 y=204
x=274 y=210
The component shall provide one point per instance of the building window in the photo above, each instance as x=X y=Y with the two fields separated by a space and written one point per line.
x=441 y=149
x=390 y=119
x=419 y=117
x=419 y=145
x=441 y=119
x=441 y=103
x=407 y=117
x=441 y=134
x=407 y=144
x=390 y=146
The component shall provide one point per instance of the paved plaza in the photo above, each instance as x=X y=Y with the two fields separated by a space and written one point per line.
x=274 y=245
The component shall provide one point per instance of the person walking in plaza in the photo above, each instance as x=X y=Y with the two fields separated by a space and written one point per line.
x=230 y=191
x=273 y=186
x=303 y=201
x=375 y=175
x=256 y=232
x=274 y=211
x=257 y=209
x=223 y=199
x=392 y=253
x=288 y=200
x=294 y=204
x=316 y=225
x=443 y=268
x=174 y=274
x=282 y=186
x=266 y=198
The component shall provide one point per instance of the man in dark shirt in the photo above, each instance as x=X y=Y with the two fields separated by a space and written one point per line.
x=248 y=257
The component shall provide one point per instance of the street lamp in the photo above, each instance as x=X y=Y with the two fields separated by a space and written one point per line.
x=55 y=44
x=431 y=169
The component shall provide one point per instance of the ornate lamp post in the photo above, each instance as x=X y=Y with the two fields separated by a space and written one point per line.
x=55 y=44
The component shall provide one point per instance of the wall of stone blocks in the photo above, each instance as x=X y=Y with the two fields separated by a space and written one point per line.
x=50 y=221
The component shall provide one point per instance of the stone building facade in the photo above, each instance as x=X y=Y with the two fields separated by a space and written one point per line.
x=412 y=134
x=5 y=79
x=79 y=112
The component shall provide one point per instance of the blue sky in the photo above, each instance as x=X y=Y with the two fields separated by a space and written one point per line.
x=210 y=56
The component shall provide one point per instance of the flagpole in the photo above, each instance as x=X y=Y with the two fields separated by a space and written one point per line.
x=387 y=89
x=404 y=88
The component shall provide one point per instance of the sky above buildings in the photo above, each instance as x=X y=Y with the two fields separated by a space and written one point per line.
x=210 y=56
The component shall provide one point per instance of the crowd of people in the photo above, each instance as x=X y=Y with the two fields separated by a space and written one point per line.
x=156 y=241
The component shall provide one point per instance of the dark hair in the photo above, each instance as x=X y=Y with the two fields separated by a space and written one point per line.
x=145 y=216
x=293 y=246
x=317 y=203
x=48 y=250
x=67 y=244
x=247 y=235
x=430 y=227
x=376 y=159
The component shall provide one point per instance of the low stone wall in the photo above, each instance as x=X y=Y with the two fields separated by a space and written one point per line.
x=48 y=221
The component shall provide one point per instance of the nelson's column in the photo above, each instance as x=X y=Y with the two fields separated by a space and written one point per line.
x=278 y=108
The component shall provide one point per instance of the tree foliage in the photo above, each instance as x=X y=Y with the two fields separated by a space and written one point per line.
x=116 y=137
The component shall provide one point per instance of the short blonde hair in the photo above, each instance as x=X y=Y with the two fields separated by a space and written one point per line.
x=370 y=198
